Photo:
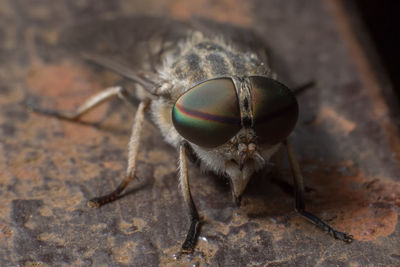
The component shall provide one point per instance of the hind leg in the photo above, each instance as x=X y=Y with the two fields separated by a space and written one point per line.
x=88 y=105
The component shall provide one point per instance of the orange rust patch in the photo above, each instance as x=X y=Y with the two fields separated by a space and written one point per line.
x=83 y=134
x=370 y=222
x=63 y=79
x=340 y=123
x=26 y=172
x=364 y=207
x=67 y=84
x=237 y=12
x=112 y=165
x=24 y=168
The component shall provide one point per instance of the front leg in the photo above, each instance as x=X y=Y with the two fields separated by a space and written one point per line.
x=191 y=237
x=300 y=206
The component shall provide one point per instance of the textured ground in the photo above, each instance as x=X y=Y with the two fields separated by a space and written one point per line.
x=347 y=142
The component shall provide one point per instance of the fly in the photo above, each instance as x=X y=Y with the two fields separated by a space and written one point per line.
x=211 y=93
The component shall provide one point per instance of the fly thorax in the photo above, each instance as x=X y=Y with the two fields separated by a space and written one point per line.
x=202 y=58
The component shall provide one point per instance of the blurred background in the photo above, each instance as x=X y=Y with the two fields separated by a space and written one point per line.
x=381 y=20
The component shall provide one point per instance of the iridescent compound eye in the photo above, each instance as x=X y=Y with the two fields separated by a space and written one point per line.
x=275 y=110
x=208 y=115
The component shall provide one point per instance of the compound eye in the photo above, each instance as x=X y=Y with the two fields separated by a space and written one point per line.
x=275 y=110
x=208 y=114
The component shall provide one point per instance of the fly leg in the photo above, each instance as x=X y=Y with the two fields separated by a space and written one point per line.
x=191 y=237
x=132 y=155
x=300 y=206
x=89 y=105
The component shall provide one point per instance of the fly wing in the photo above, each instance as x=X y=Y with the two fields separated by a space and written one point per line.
x=137 y=42
x=134 y=47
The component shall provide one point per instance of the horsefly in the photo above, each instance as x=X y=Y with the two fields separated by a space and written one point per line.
x=210 y=91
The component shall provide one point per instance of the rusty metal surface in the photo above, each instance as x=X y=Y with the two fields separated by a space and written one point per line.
x=346 y=141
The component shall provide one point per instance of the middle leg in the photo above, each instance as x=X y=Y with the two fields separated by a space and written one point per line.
x=133 y=151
